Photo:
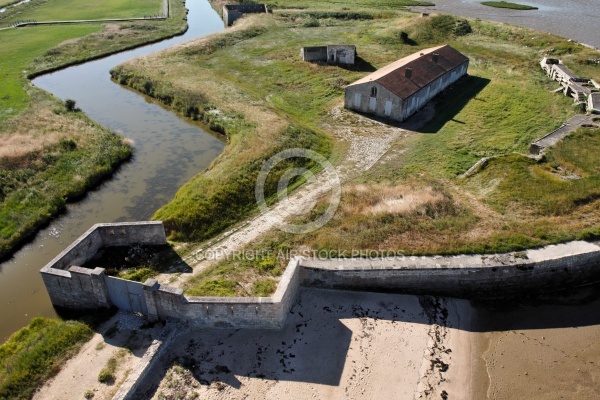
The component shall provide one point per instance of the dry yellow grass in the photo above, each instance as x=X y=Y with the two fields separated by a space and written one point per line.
x=37 y=131
x=399 y=199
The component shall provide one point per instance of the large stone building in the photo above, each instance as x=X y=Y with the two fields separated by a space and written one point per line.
x=398 y=90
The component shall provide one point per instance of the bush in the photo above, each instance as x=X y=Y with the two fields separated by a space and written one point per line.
x=70 y=105
x=311 y=23
x=107 y=374
x=462 y=28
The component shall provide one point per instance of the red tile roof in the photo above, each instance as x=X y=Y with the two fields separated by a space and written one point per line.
x=424 y=70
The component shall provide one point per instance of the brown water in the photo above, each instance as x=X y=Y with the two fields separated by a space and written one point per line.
x=168 y=151
x=573 y=19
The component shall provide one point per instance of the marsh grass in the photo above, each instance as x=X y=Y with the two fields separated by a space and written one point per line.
x=35 y=353
x=48 y=160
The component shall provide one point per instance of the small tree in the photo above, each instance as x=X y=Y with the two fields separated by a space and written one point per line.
x=70 y=105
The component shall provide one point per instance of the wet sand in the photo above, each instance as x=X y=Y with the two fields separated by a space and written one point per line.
x=544 y=351
x=355 y=345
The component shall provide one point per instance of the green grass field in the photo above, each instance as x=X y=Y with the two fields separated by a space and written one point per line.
x=64 y=10
x=506 y=4
x=19 y=49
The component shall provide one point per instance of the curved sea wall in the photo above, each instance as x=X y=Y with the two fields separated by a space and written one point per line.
x=491 y=276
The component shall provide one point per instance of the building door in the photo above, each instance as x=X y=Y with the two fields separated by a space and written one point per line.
x=357 y=100
x=388 y=108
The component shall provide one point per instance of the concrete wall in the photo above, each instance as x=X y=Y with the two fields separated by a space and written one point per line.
x=399 y=109
x=341 y=54
x=224 y=312
x=71 y=286
x=233 y=12
x=494 y=276
x=332 y=54
x=314 y=53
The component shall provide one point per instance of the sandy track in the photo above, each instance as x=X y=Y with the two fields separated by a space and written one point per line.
x=119 y=337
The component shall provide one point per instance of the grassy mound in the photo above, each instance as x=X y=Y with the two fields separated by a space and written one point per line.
x=35 y=353
x=250 y=82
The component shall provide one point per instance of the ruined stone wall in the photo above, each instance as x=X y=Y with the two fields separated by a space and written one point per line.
x=314 y=53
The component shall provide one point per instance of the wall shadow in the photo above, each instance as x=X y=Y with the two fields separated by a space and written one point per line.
x=160 y=258
x=451 y=101
x=360 y=64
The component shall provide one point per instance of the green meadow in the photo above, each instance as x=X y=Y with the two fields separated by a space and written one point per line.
x=65 y=10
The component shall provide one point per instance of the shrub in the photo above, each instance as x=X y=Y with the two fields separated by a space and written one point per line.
x=311 y=23
x=107 y=374
x=70 y=105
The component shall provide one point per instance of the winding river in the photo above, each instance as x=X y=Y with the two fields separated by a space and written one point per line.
x=168 y=151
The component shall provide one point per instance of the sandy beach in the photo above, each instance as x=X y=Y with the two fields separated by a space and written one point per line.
x=334 y=345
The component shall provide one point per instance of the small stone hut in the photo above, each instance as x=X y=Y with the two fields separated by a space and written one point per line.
x=400 y=89
x=332 y=54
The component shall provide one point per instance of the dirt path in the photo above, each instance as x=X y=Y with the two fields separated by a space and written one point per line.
x=367 y=141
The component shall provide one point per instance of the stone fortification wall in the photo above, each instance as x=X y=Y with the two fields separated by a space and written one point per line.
x=70 y=285
x=223 y=312
x=478 y=276
x=233 y=12
x=475 y=276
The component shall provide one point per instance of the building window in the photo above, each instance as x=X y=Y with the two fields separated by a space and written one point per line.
x=373 y=91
